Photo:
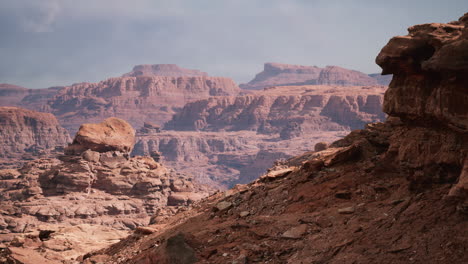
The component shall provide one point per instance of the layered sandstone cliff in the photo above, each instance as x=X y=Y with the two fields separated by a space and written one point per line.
x=276 y=74
x=312 y=108
x=394 y=192
x=26 y=134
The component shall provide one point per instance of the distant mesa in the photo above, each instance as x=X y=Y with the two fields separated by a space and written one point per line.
x=277 y=74
x=171 y=70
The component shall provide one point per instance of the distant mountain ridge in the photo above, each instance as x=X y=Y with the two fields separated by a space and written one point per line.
x=278 y=74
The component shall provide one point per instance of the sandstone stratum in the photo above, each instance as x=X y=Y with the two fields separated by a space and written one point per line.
x=393 y=192
x=26 y=134
x=88 y=197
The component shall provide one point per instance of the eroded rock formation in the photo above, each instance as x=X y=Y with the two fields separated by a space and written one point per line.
x=25 y=134
x=100 y=185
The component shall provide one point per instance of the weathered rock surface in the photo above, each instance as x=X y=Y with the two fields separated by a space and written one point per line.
x=25 y=134
x=311 y=108
x=276 y=74
x=163 y=70
x=383 y=194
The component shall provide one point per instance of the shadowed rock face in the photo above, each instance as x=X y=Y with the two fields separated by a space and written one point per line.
x=394 y=192
x=275 y=74
x=25 y=132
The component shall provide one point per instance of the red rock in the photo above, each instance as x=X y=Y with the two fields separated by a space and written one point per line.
x=427 y=66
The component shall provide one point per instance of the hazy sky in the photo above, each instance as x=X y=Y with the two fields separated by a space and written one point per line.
x=60 y=42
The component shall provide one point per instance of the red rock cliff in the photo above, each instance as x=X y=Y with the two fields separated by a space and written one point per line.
x=29 y=132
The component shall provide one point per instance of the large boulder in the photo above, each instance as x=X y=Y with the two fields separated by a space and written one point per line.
x=113 y=134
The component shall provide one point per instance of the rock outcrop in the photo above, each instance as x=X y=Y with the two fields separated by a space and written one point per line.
x=276 y=74
x=25 y=134
x=394 y=192
x=100 y=185
x=430 y=74
x=137 y=99
x=311 y=108
x=163 y=70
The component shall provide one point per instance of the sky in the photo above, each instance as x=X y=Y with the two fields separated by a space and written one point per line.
x=46 y=43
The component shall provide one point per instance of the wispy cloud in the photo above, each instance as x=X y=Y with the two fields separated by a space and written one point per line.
x=34 y=16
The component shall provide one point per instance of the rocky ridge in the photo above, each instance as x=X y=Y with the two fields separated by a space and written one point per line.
x=276 y=74
x=95 y=185
x=27 y=134
x=394 y=192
